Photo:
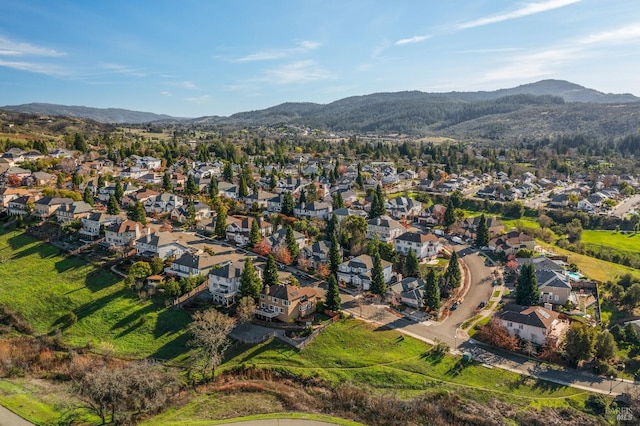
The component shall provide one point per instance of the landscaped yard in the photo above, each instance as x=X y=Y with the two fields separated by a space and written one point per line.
x=45 y=287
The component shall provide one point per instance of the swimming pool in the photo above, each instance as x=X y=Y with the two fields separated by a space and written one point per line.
x=574 y=275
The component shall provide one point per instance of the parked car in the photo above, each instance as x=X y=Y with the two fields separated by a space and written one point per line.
x=482 y=304
x=455 y=306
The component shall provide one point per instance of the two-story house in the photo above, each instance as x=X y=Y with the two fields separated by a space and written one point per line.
x=239 y=228
x=384 y=228
x=357 y=271
x=164 y=244
x=403 y=208
x=21 y=206
x=46 y=206
x=286 y=303
x=123 y=233
x=74 y=211
x=425 y=246
x=532 y=323
x=163 y=203
x=224 y=282
x=316 y=210
x=92 y=224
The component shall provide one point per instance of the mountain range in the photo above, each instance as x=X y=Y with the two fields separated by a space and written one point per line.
x=543 y=108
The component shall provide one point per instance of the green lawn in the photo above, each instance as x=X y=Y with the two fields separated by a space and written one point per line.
x=617 y=240
x=45 y=286
x=353 y=351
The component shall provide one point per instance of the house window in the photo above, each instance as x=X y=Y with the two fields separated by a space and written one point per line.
x=521 y=327
x=509 y=324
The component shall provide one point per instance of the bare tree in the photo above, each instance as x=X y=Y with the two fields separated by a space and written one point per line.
x=245 y=310
x=209 y=330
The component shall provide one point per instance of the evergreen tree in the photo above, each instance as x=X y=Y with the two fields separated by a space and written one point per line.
x=482 y=232
x=579 y=342
x=213 y=190
x=243 y=191
x=137 y=213
x=112 y=205
x=270 y=272
x=60 y=180
x=101 y=181
x=337 y=202
x=332 y=226
x=227 y=171
x=191 y=187
x=312 y=193
x=76 y=180
x=220 y=228
x=250 y=284
x=431 y=291
x=303 y=197
x=254 y=234
x=449 y=214
x=287 y=204
x=453 y=275
x=378 y=286
x=273 y=180
x=359 y=178
x=527 y=292
x=190 y=214
x=332 y=301
x=605 y=346
x=412 y=265
x=334 y=255
x=119 y=192
x=377 y=204
x=292 y=244
x=166 y=183
x=87 y=197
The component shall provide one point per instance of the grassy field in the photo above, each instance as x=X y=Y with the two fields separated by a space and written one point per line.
x=45 y=287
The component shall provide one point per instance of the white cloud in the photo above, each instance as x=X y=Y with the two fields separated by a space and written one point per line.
x=526 y=10
x=186 y=84
x=496 y=50
x=297 y=72
x=40 y=68
x=271 y=54
x=618 y=35
x=123 y=69
x=414 y=39
x=15 y=48
x=165 y=93
x=199 y=100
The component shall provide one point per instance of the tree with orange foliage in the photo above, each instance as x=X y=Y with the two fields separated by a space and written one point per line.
x=323 y=271
x=282 y=254
x=263 y=248
x=497 y=334
x=14 y=180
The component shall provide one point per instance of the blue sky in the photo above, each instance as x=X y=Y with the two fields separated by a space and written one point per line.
x=193 y=58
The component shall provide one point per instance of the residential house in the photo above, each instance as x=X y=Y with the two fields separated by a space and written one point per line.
x=259 y=198
x=432 y=216
x=239 y=228
x=94 y=222
x=122 y=234
x=224 y=282
x=42 y=179
x=228 y=190
x=274 y=205
x=533 y=323
x=344 y=212
x=279 y=237
x=384 y=229
x=164 y=244
x=403 y=208
x=425 y=246
x=21 y=206
x=315 y=210
x=317 y=253
x=357 y=271
x=409 y=291
x=193 y=264
x=511 y=243
x=163 y=203
x=203 y=211
x=490 y=192
x=74 y=211
x=559 y=200
x=469 y=226
x=286 y=303
x=554 y=287
x=46 y=206
x=426 y=185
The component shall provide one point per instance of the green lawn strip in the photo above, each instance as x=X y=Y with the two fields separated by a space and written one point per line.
x=611 y=239
x=270 y=416
x=385 y=361
x=45 y=287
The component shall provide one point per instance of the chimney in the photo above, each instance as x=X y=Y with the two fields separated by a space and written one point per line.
x=548 y=306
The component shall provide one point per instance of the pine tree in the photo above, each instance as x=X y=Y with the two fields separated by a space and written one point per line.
x=112 y=206
x=482 y=232
x=377 y=204
x=431 y=291
x=101 y=181
x=527 y=292
x=332 y=226
x=190 y=214
x=137 y=213
x=337 y=202
x=334 y=255
x=312 y=193
x=453 y=275
x=191 y=187
x=250 y=284
x=243 y=191
x=213 y=191
x=270 y=272
x=378 y=286
x=220 y=228
x=332 y=301
x=449 y=214
x=254 y=234
x=303 y=197
x=166 y=183
x=292 y=244
x=273 y=180
x=227 y=171
x=412 y=265
x=287 y=204
x=359 y=178
x=76 y=179
x=87 y=197
x=119 y=192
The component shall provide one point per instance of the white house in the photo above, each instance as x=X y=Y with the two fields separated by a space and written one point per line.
x=425 y=246
x=163 y=244
x=123 y=233
x=357 y=271
x=163 y=203
x=532 y=323
x=92 y=224
x=318 y=210
x=224 y=282
x=384 y=229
